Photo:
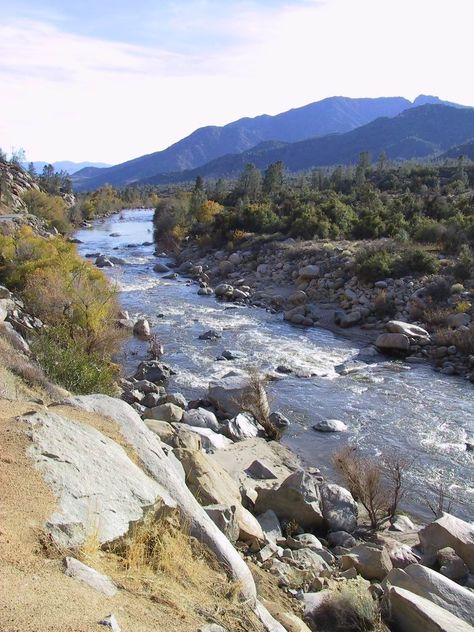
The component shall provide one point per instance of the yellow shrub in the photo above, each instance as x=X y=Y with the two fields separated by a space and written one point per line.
x=462 y=307
x=51 y=208
x=208 y=211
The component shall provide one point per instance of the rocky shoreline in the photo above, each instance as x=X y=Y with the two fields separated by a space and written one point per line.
x=316 y=285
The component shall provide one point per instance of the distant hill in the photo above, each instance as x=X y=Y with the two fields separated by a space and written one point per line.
x=331 y=115
x=66 y=165
x=423 y=132
x=466 y=150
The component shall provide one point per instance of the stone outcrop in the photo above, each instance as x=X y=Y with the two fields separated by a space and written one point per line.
x=448 y=531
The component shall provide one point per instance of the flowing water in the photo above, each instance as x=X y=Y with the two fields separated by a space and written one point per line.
x=388 y=406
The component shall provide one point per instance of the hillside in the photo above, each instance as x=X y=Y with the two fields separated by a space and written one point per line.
x=421 y=132
x=67 y=165
x=332 y=115
x=466 y=150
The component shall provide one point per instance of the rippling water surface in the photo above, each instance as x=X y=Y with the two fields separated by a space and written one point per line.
x=388 y=406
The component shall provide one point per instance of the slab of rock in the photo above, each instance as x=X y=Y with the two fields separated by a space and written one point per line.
x=440 y=590
x=148 y=448
x=259 y=470
x=163 y=429
x=160 y=267
x=210 y=440
x=211 y=334
x=341 y=538
x=211 y=485
x=229 y=393
x=225 y=518
x=111 y=622
x=412 y=613
x=201 y=418
x=370 y=561
x=393 y=342
x=330 y=425
x=451 y=565
x=165 y=412
x=153 y=371
x=339 y=508
x=297 y=498
x=76 y=569
x=97 y=485
x=240 y=427
x=270 y=525
x=142 y=328
x=412 y=331
x=449 y=531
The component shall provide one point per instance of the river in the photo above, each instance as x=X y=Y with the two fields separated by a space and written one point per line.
x=388 y=406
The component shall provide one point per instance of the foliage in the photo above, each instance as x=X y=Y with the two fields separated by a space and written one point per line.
x=352 y=609
x=390 y=261
x=51 y=208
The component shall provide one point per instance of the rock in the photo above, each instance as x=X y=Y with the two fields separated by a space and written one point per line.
x=153 y=371
x=148 y=387
x=297 y=498
x=142 y=328
x=165 y=412
x=436 y=588
x=412 y=613
x=211 y=485
x=393 y=343
x=161 y=428
x=224 y=517
x=309 y=272
x=330 y=425
x=201 y=418
x=14 y=338
x=160 y=267
x=279 y=420
x=177 y=399
x=290 y=575
x=240 y=427
x=151 y=400
x=371 y=561
x=223 y=290
x=210 y=440
x=400 y=327
x=454 y=321
x=5 y=292
x=339 y=508
x=149 y=451
x=270 y=525
x=402 y=523
x=89 y=576
x=449 y=531
x=103 y=262
x=298 y=298
x=212 y=627
x=205 y=291
x=229 y=393
x=184 y=437
x=231 y=355
x=451 y=565
x=82 y=465
x=211 y=334
x=308 y=540
x=269 y=623
x=341 y=538
x=111 y=622
x=258 y=469
x=347 y=320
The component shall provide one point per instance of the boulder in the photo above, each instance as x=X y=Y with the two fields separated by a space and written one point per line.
x=451 y=565
x=151 y=400
x=160 y=267
x=448 y=531
x=230 y=392
x=223 y=290
x=341 y=538
x=225 y=518
x=97 y=485
x=149 y=451
x=163 y=429
x=241 y=427
x=339 y=508
x=259 y=470
x=330 y=425
x=201 y=418
x=454 y=321
x=211 y=485
x=103 y=262
x=279 y=420
x=111 y=622
x=210 y=440
x=412 y=331
x=345 y=320
x=298 y=298
x=370 y=561
x=87 y=575
x=184 y=437
x=270 y=525
x=412 y=613
x=165 y=412
x=153 y=371
x=178 y=399
x=397 y=343
x=309 y=272
x=436 y=588
x=297 y=498
x=211 y=334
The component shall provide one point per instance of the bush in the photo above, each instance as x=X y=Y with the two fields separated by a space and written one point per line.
x=462 y=339
x=438 y=290
x=350 y=610
x=51 y=208
x=67 y=362
x=415 y=262
x=376 y=266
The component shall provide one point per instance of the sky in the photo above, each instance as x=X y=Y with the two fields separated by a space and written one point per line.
x=110 y=80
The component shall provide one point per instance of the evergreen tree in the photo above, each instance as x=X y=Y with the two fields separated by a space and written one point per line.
x=198 y=197
x=273 y=178
x=249 y=184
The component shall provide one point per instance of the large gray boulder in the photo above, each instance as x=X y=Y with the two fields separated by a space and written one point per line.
x=99 y=489
x=412 y=331
x=436 y=588
x=148 y=448
x=201 y=418
x=370 y=560
x=270 y=525
x=297 y=498
x=230 y=394
x=339 y=508
x=393 y=343
x=165 y=412
x=87 y=575
x=448 y=531
x=412 y=613
x=240 y=427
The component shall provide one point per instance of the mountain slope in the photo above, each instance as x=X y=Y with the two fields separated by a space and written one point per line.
x=332 y=115
x=466 y=150
x=67 y=165
x=420 y=132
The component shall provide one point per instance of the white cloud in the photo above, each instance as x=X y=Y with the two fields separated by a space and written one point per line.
x=70 y=96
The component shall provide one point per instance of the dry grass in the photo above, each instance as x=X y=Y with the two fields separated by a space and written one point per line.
x=436 y=317
x=463 y=339
x=255 y=402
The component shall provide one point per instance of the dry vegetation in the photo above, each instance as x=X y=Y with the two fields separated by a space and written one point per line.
x=255 y=402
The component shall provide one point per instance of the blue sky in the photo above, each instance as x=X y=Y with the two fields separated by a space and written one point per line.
x=109 y=80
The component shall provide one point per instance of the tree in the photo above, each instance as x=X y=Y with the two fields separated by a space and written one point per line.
x=17 y=156
x=32 y=169
x=250 y=183
x=273 y=178
x=198 y=197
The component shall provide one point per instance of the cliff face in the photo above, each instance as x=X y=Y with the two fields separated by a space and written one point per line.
x=14 y=183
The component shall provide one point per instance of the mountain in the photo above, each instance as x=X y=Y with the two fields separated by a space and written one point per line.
x=66 y=165
x=422 y=132
x=466 y=150
x=331 y=115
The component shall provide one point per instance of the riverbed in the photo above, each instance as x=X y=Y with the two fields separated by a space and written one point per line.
x=389 y=407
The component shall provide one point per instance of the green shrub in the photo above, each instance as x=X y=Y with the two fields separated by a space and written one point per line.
x=415 y=262
x=376 y=266
x=66 y=362
x=51 y=208
x=439 y=289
